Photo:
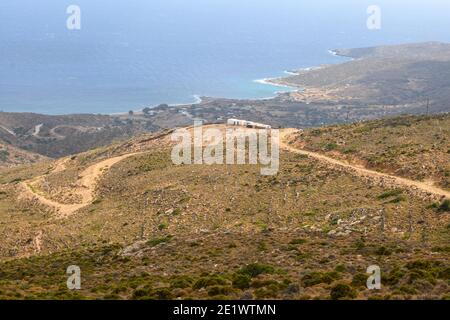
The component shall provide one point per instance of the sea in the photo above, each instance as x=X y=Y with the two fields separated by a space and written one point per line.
x=111 y=56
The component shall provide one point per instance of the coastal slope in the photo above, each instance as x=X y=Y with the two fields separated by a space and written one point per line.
x=411 y=74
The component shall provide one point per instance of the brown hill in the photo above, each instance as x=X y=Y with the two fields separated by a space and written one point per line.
x=154 y=230
x=398 y=75
x=408 y=146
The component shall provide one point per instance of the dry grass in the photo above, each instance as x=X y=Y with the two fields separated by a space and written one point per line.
x=412 y=147
x=160 y=231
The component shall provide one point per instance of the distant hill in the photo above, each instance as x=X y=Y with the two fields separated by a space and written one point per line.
x=57 y=136
x=416 y=147
x=11 y=156
x=420 y=51
x=385 y=75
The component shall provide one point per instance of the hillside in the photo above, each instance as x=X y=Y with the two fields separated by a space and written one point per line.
x=145 y=228
x=11 y=156
x=398 y=75
x=58 y=136
x=408 y=146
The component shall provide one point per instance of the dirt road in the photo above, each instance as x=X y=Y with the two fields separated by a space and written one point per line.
x=88 y=179
x=86 y=185
x=401 y=182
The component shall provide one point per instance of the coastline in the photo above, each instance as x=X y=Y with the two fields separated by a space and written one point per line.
x=277 y=82
x=197 y=100
x=274 y=82
x=281 y=81
x=271 y=82
x=334 y=52
x=200 y=99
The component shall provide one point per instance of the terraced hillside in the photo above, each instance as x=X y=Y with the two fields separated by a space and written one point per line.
x=154 y=230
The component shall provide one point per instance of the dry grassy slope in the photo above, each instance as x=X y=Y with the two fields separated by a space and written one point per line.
x=157 y=230
x=58 y=136
x=413 y=147
x=12 y=156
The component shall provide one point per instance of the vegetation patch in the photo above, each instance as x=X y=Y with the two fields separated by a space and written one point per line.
x=255 y=269
x=342 y=291
x=315 y=278
x=208 y=281
x=389 y=194
x=157 y=241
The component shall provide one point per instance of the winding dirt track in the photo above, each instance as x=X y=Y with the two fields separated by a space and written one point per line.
x=86 y=186
x=362 y=172
x=88 y=180
x=8 y=130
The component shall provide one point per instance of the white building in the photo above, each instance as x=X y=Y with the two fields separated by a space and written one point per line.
x=247 y=124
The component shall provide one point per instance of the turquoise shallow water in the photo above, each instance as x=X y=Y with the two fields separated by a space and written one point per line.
x=137 y=53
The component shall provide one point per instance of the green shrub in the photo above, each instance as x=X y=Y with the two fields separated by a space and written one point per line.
x=330 y=146
x=359 y=244
x=181 y=282
x=156 y=241
x=264 y=283
x=359 y=280
x=444 y=206
x=241 y=281
x=444 y=274
x=163 y=226
x=219 y=291
x=441 y=249
x=150 y=294
x=425 y=270
x=315 y=278
x=4 y=155
x=393 y=277
x=208 y=281
x=268 y=292
x=407 y=290
x=342 y=291
x=141 y=293
x=349 y=150
x=397 y=199
x=383 y=251
x=297 y=241
x=162 y=294
x=255 y=269
x=339 y=268
x=389 y=194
